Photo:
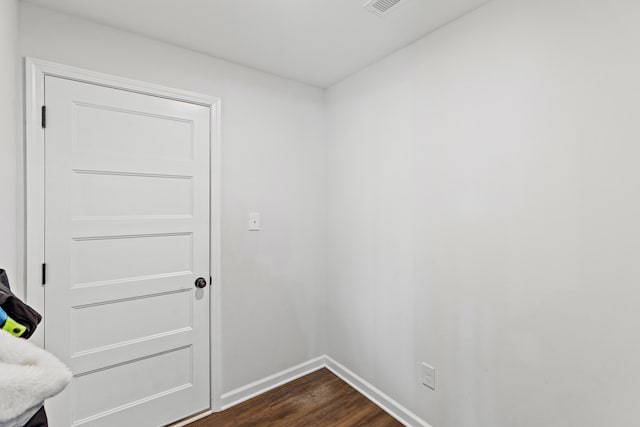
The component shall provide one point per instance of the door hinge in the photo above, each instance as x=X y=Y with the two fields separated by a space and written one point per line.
x=44 y=274
x=44 y=117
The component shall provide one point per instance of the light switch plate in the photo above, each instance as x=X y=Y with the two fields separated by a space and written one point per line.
x=428 y=376
x=254 y=221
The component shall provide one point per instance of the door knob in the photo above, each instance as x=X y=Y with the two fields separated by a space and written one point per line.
x=201 y=282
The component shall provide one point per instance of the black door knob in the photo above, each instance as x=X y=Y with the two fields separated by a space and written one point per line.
x=201 y=282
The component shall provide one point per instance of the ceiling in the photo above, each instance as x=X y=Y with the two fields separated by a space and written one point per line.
x=317 y=42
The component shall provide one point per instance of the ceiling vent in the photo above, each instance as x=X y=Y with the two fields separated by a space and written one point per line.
x=383 y=7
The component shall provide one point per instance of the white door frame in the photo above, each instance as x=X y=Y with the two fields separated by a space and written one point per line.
x=35 y=72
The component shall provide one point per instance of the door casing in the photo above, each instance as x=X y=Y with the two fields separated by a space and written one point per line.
x=35 y=72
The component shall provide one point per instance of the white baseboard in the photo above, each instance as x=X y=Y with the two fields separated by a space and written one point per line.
x=256 y=388
x=192 y=419
x=386 y=403
x=376 y=396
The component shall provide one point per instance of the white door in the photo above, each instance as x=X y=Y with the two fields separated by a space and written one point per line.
x=126 y=237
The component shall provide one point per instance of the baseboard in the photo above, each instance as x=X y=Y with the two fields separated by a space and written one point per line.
x=256 y=388
x=386 y=403
x=376 y=396
x=192 y=419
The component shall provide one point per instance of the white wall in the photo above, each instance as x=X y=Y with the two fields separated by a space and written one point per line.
x=484 y=216
x=273 y=163
x=8 y=136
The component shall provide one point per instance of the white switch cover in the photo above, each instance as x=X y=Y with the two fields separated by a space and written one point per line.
x=428 y=376
x=254 y=221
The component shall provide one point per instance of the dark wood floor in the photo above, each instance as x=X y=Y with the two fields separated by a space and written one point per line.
x=315 y=400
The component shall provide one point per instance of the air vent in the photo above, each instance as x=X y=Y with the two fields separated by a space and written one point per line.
x=383 y=7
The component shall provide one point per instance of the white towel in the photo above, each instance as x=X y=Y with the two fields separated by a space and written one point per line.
x=21 y=420
x=28 y=376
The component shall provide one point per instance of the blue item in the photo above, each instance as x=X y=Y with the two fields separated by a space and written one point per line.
x=10 y=325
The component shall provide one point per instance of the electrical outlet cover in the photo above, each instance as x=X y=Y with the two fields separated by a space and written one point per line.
x=428 y=376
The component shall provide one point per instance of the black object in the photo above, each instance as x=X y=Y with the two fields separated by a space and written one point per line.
x=27 y=316
x=38 y=420
x=201 y=282
x=16 y=309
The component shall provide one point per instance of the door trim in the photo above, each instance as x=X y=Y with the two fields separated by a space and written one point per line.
x=35 y=72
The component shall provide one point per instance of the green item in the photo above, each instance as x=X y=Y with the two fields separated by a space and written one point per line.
x=13 y=327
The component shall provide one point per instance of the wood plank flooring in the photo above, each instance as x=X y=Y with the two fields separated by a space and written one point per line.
x=316 y=400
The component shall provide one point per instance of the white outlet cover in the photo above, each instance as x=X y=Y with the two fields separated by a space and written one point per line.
x=428 y=376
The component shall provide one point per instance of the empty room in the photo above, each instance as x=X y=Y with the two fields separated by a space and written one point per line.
x=330 y=213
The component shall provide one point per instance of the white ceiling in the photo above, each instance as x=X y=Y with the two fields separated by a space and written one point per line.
x=313 y=41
